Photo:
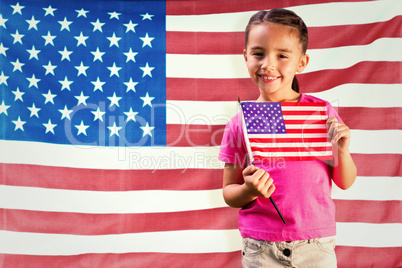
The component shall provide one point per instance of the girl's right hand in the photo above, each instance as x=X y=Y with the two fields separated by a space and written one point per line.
x=258 y=181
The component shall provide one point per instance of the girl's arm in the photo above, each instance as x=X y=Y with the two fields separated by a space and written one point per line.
x=344 y=170
x=242 y=185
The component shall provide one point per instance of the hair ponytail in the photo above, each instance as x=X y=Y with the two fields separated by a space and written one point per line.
x=295 y=84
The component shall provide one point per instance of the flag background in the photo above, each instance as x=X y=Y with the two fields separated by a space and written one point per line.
x=65 y=205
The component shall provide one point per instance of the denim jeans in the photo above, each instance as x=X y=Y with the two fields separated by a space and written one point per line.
x=318 y=252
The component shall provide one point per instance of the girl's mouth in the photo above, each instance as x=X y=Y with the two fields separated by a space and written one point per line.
x=268 y=78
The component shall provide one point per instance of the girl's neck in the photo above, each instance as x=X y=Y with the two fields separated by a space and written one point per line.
x=292 y=96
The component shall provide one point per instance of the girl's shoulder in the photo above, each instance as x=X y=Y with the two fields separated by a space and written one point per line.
x=309 y=98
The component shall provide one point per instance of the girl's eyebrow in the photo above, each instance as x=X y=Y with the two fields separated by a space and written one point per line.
x=284 y=50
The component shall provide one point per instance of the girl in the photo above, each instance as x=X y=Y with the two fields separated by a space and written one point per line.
x=276 y=43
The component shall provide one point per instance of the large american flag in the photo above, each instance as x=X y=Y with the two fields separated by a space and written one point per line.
x=103 y=167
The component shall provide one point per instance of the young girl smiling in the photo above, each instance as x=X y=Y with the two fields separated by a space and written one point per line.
x=276 y=44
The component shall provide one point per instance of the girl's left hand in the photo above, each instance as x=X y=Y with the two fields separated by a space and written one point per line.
x=338 y=133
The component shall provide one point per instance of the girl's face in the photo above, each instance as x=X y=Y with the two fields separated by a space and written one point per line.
x=273 y=56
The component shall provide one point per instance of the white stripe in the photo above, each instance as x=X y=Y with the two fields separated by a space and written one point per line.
x=233 y=66
x=363 y=95
x=207 y=241
x=376 y=141
x=289 y=145
x=125 y=158
x=42 y=199
x=371 y=188
x=369 y=235
x=188 y=241
x=291 y=154
x=305 y=117
x=347 y=95
x=318 y=15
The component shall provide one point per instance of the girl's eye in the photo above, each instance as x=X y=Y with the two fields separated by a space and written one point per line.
x=257 y=54
x=282 y=57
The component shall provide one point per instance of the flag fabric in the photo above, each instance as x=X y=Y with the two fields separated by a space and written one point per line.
x=287 y=131
x=110 y=128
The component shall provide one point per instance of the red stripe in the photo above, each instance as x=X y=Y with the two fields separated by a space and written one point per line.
x=103 y=224
x=109 y=180
x=306 y=131
x=284 y=140
x=194 y=135
x=380 y=118
x=132 y=260
x=319 y=37
x=216 y=89
x=224 y=218
x=122 y=180
x=389 y=165
x=174 y=7
x=369 y=257
x=314 y=112
x=368 y=211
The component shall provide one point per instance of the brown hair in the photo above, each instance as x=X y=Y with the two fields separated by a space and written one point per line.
x=287 y=18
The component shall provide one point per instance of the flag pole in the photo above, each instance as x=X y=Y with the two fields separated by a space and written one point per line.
x=250 y=155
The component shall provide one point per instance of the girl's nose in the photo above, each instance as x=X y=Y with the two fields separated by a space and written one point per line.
x=268 y=64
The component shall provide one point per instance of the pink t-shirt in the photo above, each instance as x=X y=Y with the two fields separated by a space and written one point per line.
x=303 y=192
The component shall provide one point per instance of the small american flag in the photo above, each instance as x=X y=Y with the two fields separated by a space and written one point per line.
x=287 y=131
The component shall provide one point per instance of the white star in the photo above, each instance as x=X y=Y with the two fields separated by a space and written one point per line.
x=19 y=124
x=130 y=85
x=82 y=128
x=98 y=115
x=114 y=70
x=33 y=81
x=114 y=100
x=49 y=68
x=34 y=110
x=65 y=84
x=81 y=69
x=147 y=130
x=82 y=99
x=32 y=23
x=17 y=65
x=3 y=78
x=146 y=16
x=3 y=49
x=131 y=115
x=114 y=40
x=49 y=11
x=49 y=97
x=65 y=113
x=130 y=26
x=97 y=54
x=147 y=40
x=114 y=130
x=3 y=108
x=65 y=54
x=81 y=39
x=49 y=38
x=114 y=15
x=3 y=21
x=147 y=70
x=147 y=100
x=65 y=24
x=82 y=12
x=17 y=37
x=97 y=25
x=98 y=84
x=17 y=8
x=50 y=127
x=33 y=53
x=18 y=94
x=130 y=55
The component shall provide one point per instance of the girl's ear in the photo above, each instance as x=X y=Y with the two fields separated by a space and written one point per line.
x=245 y=54
x=303 y=63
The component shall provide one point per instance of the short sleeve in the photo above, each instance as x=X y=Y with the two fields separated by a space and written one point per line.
x=332 y=112
x=232 y=149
